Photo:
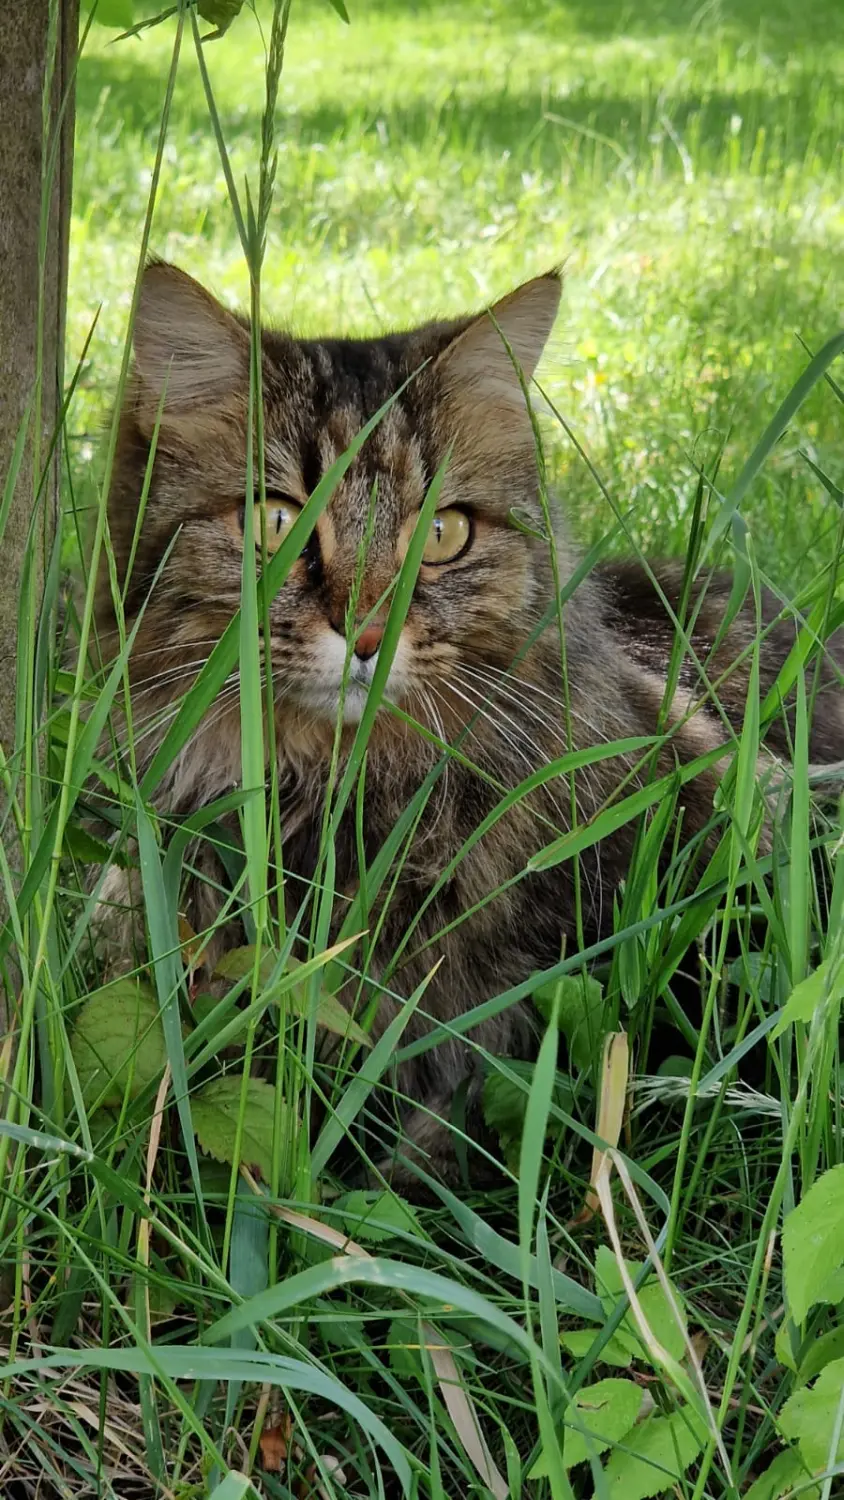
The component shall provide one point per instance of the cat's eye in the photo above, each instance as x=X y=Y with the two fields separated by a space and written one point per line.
x=280 y=512
x=449 y=536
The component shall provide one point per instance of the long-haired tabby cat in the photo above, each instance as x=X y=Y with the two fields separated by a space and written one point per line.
x=463 y=667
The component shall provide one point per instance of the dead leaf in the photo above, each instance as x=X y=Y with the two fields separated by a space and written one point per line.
x=314 y=1227
x=613 y=1099
x=274 y=1444
x=461 y=1409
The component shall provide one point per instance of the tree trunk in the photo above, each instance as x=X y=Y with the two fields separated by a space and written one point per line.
x=38 y=42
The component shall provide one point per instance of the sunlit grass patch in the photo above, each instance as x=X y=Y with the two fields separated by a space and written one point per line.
x=176 y=1325
x=686 y=171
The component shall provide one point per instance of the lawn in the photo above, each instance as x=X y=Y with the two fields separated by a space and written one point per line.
x=166 y=1336
x=683 y=162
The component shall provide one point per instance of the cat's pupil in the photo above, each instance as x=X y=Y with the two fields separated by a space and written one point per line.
x=279 y=514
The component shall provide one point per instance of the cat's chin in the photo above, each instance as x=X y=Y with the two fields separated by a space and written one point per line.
x=325 y=701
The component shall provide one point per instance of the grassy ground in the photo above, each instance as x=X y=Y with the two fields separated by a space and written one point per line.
x=685 y=162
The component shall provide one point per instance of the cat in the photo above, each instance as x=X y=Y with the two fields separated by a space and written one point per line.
x=473 y=665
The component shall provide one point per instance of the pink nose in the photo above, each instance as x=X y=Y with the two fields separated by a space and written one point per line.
x=368 y=641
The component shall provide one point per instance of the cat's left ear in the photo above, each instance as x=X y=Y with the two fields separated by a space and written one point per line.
x=478 y=366
x=189 y=350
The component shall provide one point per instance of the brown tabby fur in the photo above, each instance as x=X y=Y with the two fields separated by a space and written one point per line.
x=466 y=622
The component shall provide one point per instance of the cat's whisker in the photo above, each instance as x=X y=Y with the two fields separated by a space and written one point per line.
x=487 y=697
x=554 y=730
x=559 y=702
x=495 y=689
x=428 y=704
x=142 y=725
x=565 y=821
x=509 y=739
x=192 y=644
x=165 y=679
x=162 y=718
x=543 y=758
x=584 y=773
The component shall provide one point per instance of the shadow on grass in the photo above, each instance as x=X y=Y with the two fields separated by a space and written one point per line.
x=784 y=25
x=536 y=128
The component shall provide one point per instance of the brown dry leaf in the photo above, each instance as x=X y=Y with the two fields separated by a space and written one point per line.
x=152 y=1155
x=461 y=1409
x=274 y=1444
x=690 y=1388
x=615 y=1073
x=320 y=1231
x=189 y=941
x=192 y=949
x=699 y=1343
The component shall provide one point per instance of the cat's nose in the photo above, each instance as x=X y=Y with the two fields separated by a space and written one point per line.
x=368 y=641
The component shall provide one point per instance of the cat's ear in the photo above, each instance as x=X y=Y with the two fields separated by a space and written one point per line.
x=478 y=366
x=188 y=347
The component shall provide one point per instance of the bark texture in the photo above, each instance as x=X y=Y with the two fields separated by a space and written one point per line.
x=38 y=43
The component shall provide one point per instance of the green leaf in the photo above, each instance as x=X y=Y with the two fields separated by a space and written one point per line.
x=405 y=1351
x=809 y=1417
x=340 y=9
x=580 y=1014
x=216 y=1110
x=821 y=1352
x=825 y=982
x=504 y=1104
x=114 y=12
x=813 y=1242
x=331 y=1015
x=608 y=1409
x=233 y=1487
x=220 y=13
x=118 y=1042
x=239 y=962
x=782 y=1345
x=504 y=1256
x=832 y=1290
x=781 y=1477
x=376 y=1216
x=675 y=1067
x=81 y=845
x=620 y=1350
x=202 y=1006
x=653 y=1300
x=660 y=1450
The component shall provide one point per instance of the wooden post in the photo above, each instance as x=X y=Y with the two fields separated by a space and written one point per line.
x=38 y=43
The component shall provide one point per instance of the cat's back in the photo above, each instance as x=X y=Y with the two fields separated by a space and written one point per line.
x=642 y=603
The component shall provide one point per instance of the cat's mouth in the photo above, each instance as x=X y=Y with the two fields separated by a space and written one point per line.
x=326 y=701
x=333 y=687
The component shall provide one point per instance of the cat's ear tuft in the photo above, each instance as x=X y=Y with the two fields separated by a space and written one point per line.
x=479 y=360
x=187 y=346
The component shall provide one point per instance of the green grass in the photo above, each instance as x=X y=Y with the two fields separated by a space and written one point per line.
x=685 y=162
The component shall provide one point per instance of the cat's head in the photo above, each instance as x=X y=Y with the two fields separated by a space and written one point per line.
x=482 y=583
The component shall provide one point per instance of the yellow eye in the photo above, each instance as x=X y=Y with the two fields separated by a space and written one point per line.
x=280 y=514
x=450 y=534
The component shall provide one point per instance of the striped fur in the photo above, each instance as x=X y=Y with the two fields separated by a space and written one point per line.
x=467 y=622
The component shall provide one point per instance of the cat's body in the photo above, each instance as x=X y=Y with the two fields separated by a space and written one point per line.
x=476 y=603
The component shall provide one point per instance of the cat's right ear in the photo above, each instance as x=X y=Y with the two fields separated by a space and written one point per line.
x=189 y=349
